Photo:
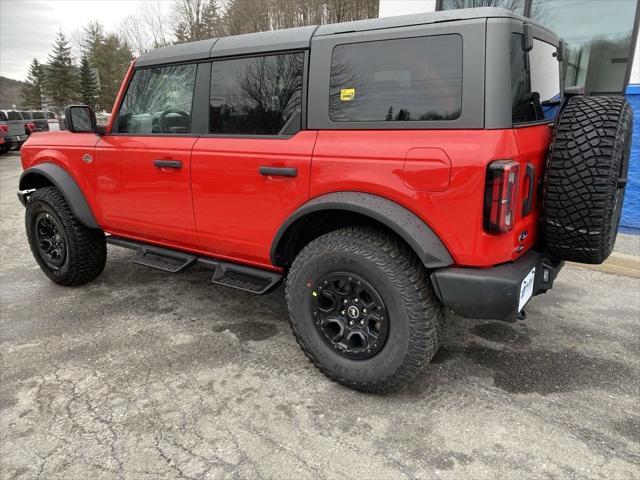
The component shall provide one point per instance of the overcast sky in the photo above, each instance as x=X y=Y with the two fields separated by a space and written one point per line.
x=28 y=27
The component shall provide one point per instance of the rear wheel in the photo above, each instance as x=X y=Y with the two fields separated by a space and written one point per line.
x=363 y=309
x=68 y=252
x=586 y=177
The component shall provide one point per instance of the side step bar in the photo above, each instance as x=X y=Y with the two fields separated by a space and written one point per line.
x=241 y=277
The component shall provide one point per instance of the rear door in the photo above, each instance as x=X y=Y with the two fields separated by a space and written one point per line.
x=252 y=169
x=144 y=166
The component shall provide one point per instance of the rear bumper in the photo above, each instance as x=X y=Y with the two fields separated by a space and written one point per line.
x=15 y=138
x=493 y=293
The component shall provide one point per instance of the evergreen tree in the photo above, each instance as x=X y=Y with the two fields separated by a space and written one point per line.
x=92 y=37
x=89 y=89
x=196 y=20
x=112 y=58
x=33 y=89
x=61 y=75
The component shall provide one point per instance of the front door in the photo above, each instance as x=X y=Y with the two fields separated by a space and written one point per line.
x=252 y=170
x=144 y=166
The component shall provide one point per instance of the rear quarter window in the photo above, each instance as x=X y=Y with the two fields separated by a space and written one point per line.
x=409 y=79
x=535 y=81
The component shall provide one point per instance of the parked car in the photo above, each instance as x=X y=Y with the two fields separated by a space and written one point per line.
x=15 y=124
x=29 y=125
x=388 y=168
x=53 y=122
x=3 y=146
x=40 y=120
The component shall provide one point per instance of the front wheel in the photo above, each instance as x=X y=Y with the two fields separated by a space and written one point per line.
x=68 y=252
x=363 y=310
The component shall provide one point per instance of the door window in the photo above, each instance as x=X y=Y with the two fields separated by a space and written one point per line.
x=158 y=101
x=256 y=96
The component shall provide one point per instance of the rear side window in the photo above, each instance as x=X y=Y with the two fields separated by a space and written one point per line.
x=256 y=96
x=14 y=115
x=158 y=101
x=38 y=115
x=26 y=115
x=535 y=81
x=3 y=116
x=409 y=79
x=51 y=116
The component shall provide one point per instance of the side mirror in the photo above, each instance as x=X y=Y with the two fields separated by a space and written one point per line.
x=80 y=119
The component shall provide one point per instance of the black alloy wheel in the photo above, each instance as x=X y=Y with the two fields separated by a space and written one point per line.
x=51 y=241
x=350 y=315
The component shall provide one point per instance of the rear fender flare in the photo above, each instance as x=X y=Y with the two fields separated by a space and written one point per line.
x=66 y=184
x=411 y=228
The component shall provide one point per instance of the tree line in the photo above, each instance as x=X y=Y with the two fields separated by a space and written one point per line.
x=104 y=57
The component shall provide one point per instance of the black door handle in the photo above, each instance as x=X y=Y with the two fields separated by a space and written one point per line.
x=279 y=171
x=167 y=163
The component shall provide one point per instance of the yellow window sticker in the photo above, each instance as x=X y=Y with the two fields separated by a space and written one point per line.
x=347 y=94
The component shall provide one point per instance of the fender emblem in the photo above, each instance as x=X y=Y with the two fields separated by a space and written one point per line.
x=87 y=158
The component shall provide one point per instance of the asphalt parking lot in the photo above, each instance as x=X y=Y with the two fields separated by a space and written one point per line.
x=144 y=375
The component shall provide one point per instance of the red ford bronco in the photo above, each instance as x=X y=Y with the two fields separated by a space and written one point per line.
x=389 y=168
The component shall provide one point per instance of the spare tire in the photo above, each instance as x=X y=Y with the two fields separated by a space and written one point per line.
x=585 y=178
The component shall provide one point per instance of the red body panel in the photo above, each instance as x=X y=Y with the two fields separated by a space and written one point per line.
x=374 y=162
x=219 y=204
x=140 y=199
x=237 y=210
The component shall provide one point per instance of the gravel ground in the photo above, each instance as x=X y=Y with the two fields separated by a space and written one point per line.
x=146 y=375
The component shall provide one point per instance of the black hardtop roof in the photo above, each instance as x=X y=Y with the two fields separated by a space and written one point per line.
x=300 y=38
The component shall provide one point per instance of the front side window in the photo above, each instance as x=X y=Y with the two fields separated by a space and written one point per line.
x=256 y=96
x=535 y=81
x=158 y=101
x=409 y=79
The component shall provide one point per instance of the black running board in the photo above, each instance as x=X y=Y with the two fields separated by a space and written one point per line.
x=241 y=277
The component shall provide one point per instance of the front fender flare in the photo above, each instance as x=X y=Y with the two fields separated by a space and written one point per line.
x=411 y=228
x=66 y=185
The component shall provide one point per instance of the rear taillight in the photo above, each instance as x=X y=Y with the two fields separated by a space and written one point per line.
x=3 y=130
x=500 y=196
x=31 y=127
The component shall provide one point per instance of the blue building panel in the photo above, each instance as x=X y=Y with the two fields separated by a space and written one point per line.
x=631 y=210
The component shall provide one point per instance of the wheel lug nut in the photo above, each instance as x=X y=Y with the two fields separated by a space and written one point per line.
x=344 y=301
x=351 y=323
x=342 y=312
x=361 y=322
x=355 y=300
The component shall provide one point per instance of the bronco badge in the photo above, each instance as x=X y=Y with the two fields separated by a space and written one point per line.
x=87 y=158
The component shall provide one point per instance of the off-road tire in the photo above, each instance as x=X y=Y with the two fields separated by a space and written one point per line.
x=415 y=314
x=86 y=248
x=585 y=178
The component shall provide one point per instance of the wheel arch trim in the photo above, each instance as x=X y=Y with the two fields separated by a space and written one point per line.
x=411 y=228
x=67 y=186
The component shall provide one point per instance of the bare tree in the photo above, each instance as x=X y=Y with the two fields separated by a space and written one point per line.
x=145 y=29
